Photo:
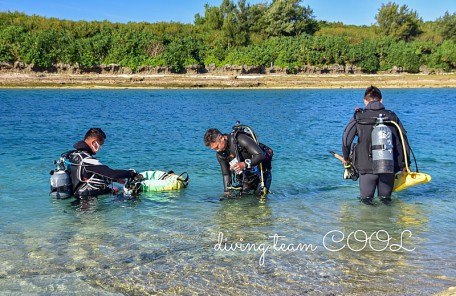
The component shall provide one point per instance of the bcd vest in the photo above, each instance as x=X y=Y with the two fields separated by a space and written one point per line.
x=365 y=122
x=85 y=183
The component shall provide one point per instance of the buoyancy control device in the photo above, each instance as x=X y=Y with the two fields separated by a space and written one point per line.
x=382 y=148
x=60 y=180
x=253 y=177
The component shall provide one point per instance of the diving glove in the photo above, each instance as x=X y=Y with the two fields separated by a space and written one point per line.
x=350 y=172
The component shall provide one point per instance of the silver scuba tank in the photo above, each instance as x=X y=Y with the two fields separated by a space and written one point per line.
x=382 y=148
x=60 y=181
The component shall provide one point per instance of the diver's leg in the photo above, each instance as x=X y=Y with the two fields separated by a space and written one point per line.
x=385 y=186
x=367 y=185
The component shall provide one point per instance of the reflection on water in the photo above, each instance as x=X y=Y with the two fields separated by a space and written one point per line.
x=167 y=247
x=380 y=242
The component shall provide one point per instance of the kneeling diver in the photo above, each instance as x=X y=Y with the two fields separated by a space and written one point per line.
x=89 y=177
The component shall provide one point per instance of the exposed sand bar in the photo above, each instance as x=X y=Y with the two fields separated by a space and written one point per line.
x=45 y=80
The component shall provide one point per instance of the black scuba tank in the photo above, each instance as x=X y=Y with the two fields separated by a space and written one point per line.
x=60 y=180
x=382 y=148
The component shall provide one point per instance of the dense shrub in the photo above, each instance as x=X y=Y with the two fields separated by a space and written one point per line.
x=45 y=42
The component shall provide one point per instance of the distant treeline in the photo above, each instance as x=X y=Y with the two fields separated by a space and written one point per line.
x=282 y=34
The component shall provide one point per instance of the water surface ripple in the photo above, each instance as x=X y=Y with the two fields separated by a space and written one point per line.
x=168 y=243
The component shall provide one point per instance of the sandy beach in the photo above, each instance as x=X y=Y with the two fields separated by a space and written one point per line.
x=50 y=80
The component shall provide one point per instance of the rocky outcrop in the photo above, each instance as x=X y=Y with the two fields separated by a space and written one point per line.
x=150 y=70
x=230 y=70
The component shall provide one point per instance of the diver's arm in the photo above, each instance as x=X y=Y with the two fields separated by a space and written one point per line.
x=226 y=182
x=226 y=173
x=95 y=166
x=252 y=147
x=347 y=138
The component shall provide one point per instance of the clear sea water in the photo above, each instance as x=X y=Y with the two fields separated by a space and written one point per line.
x=171 y=243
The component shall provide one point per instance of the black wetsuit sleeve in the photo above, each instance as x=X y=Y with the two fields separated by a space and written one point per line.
x=107 y=172
x=226 y=173
x=348 y=137
x=252 y=148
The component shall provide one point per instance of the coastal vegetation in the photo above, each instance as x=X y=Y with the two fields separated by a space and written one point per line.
x=281 y=34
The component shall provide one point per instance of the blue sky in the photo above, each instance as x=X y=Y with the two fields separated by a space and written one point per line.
x=351 y=12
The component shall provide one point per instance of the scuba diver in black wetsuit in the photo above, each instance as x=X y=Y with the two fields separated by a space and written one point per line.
x=245 y=163
x=89 y=177
x=378 y=153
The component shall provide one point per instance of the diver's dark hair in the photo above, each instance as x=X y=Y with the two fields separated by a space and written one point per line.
x=211 y=136
x=95 y=132
x=372 y=94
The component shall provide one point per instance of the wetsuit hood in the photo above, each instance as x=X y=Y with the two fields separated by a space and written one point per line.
x=375 y=105
x=82 y=146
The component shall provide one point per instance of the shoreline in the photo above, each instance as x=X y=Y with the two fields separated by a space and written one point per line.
x=220 y=81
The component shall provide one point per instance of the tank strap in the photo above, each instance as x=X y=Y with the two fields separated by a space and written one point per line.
x=67 y=154
x=234 y=142
x=372 y=119
x=380 y=147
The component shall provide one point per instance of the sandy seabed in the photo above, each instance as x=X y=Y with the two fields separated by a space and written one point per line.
x=51 y=80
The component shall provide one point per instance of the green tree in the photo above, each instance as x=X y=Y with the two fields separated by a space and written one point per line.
x=243 y=23
x=256 y=21
x=289 y=18
x=229 y=23
x=129 y=47
x=447 y=26
x=67 y=49
x=94 y=50
x=212 y=19
x=239 y=34
x=182 y=52
x=11 y=38
x=5 y=52
x=364 y=55
x=403 y=55
x=39 y=48
x=448 y=54
x=230 y=26
x=397 y=22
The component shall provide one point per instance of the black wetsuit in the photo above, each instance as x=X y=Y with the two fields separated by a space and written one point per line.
x=361 y=126
x=247 y=149
x=88 y=175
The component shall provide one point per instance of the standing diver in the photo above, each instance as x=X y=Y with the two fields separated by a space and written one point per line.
x=242 y=157
x=89 y=177
x=378 y=153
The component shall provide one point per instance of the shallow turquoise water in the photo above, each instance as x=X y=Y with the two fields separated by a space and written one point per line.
x=168 y=242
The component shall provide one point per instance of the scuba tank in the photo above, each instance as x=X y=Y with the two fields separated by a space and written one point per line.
x=60 y=180
x=382 y=148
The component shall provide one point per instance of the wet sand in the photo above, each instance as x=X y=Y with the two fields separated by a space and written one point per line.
x=45 y=80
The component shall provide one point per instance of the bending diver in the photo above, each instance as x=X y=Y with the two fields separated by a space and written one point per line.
x=245 y=163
